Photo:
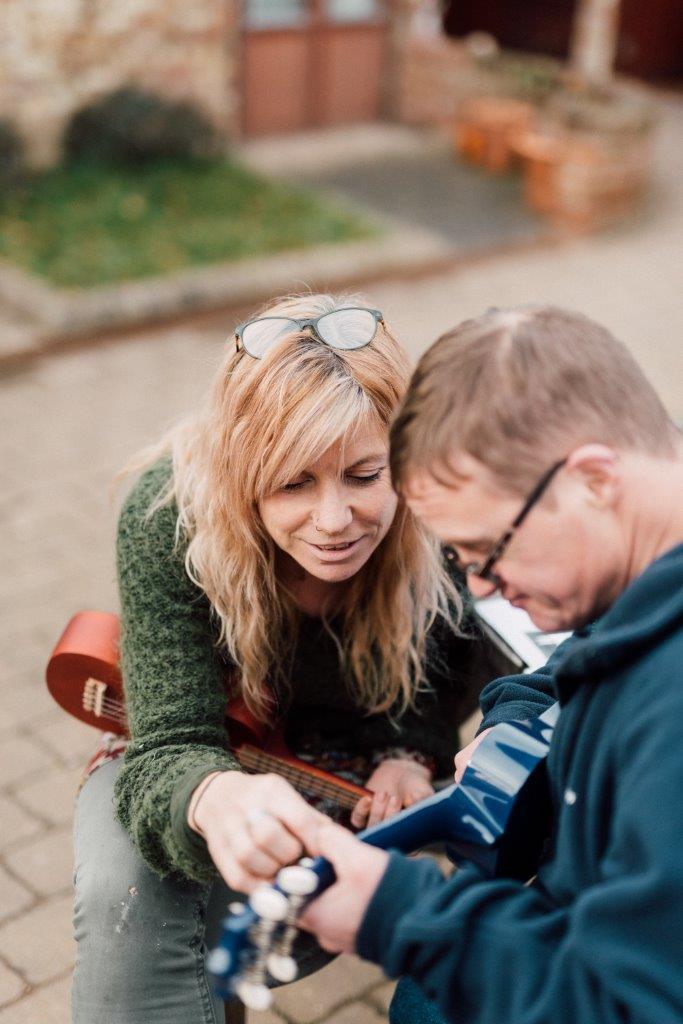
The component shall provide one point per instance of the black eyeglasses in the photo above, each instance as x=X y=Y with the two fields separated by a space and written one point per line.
x=484 y=570
x=349 y=328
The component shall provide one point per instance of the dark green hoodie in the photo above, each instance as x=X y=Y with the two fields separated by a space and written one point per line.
x=598 y=937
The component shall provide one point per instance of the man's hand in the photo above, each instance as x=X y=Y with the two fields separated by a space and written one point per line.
x=464 y=756
x=396 y=783
x=335 y=917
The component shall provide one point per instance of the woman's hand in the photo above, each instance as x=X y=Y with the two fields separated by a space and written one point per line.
x=396 y=783
x=253 y=825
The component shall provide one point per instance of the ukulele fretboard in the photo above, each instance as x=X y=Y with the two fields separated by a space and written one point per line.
x=99 y=700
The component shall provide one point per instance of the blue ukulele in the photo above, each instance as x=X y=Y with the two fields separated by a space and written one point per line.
x=497 y=817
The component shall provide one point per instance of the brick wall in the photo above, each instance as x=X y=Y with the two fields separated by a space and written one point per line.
x=57 y=54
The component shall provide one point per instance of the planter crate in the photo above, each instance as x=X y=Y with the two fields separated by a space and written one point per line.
x=486 y=128
x=582 y=181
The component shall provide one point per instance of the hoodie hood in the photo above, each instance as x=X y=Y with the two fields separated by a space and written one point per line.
x=643 y=616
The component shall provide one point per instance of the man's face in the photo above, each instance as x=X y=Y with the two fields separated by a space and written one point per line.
x=563 y=566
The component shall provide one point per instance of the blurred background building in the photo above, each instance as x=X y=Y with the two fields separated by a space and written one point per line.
x=264 y=66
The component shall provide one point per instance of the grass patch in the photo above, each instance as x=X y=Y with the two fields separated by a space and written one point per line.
x=86 y=225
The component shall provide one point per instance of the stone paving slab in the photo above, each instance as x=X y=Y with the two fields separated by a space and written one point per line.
x=17 y=824
x=355 y=1013
x=267 y=1017
x=22 y=758
x=11 y=986
x=47 y=1005
x=45 y=864
x=14 y=897
x=38 y=945
x=381 y=996
x=51 y=797
x=315 y=997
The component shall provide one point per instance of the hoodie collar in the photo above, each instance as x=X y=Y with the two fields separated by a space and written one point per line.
x=646 y=612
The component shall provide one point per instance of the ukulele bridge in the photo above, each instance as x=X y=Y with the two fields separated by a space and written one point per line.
x=93 y=696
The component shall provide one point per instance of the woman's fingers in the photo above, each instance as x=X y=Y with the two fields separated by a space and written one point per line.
x=383 y=806
x=289 y=808
x=359 y=815
x=270 y=836
x=411 y=788
x=250 y=857
x=377 y=808
x=253 y=825
x=416 y=789
x=234 y=874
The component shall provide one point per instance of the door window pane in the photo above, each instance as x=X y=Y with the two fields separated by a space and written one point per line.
x=352 y=10
x=276 y=13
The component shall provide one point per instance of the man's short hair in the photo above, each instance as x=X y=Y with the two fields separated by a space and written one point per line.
x=519 y=389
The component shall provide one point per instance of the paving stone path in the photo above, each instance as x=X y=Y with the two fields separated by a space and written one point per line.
x=68 y=423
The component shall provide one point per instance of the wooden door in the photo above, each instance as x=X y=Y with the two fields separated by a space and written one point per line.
x=311 y=63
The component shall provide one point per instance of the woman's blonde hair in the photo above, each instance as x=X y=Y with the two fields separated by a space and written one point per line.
x=266 y=420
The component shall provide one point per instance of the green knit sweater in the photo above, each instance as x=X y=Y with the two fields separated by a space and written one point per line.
x=173 y=675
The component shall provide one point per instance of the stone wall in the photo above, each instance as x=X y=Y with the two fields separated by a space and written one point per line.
x=437 y=76
x=431 y=74
x=57 y=54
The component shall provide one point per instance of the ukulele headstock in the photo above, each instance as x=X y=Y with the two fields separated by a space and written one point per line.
x=257 y=938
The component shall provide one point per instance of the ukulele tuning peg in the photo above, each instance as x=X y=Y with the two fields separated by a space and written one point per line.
x=297 y=880
x=254 y=995
x=269 y=904
x=282 y=968
x=219 y=961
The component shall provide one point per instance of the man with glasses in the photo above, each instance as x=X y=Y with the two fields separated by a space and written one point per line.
x=531 y=444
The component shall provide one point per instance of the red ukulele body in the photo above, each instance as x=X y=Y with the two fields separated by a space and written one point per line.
x=84 y=677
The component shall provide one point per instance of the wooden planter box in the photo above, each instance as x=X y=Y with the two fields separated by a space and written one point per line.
x=583 y=182
x=486 y=128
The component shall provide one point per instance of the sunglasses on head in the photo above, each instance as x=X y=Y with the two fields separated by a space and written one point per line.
x=344 y=329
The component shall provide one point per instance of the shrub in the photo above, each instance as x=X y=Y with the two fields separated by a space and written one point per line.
x=12 y=162
x=130 y=126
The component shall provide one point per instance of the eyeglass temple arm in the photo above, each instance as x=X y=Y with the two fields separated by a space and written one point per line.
x=493 y=556
x=536 y=494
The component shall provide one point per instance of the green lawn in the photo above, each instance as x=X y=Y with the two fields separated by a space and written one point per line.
x=87 y=225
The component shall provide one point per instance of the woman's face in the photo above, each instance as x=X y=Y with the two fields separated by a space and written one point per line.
x=335 y=513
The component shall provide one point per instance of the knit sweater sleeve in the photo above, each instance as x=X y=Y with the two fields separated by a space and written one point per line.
x=173 y=682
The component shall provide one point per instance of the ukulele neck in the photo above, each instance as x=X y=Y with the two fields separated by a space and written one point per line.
x=302 y=778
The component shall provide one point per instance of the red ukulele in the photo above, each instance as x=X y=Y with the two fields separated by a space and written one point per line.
x=84 y=678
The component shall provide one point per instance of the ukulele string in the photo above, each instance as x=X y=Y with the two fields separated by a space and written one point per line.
x=110 y=706
x=306 y=781
x=114 y=708
x=322 y=787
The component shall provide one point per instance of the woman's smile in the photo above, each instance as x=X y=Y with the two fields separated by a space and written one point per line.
x=338 y=551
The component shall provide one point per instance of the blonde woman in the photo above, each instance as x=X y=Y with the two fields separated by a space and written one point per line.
x=262 y=543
